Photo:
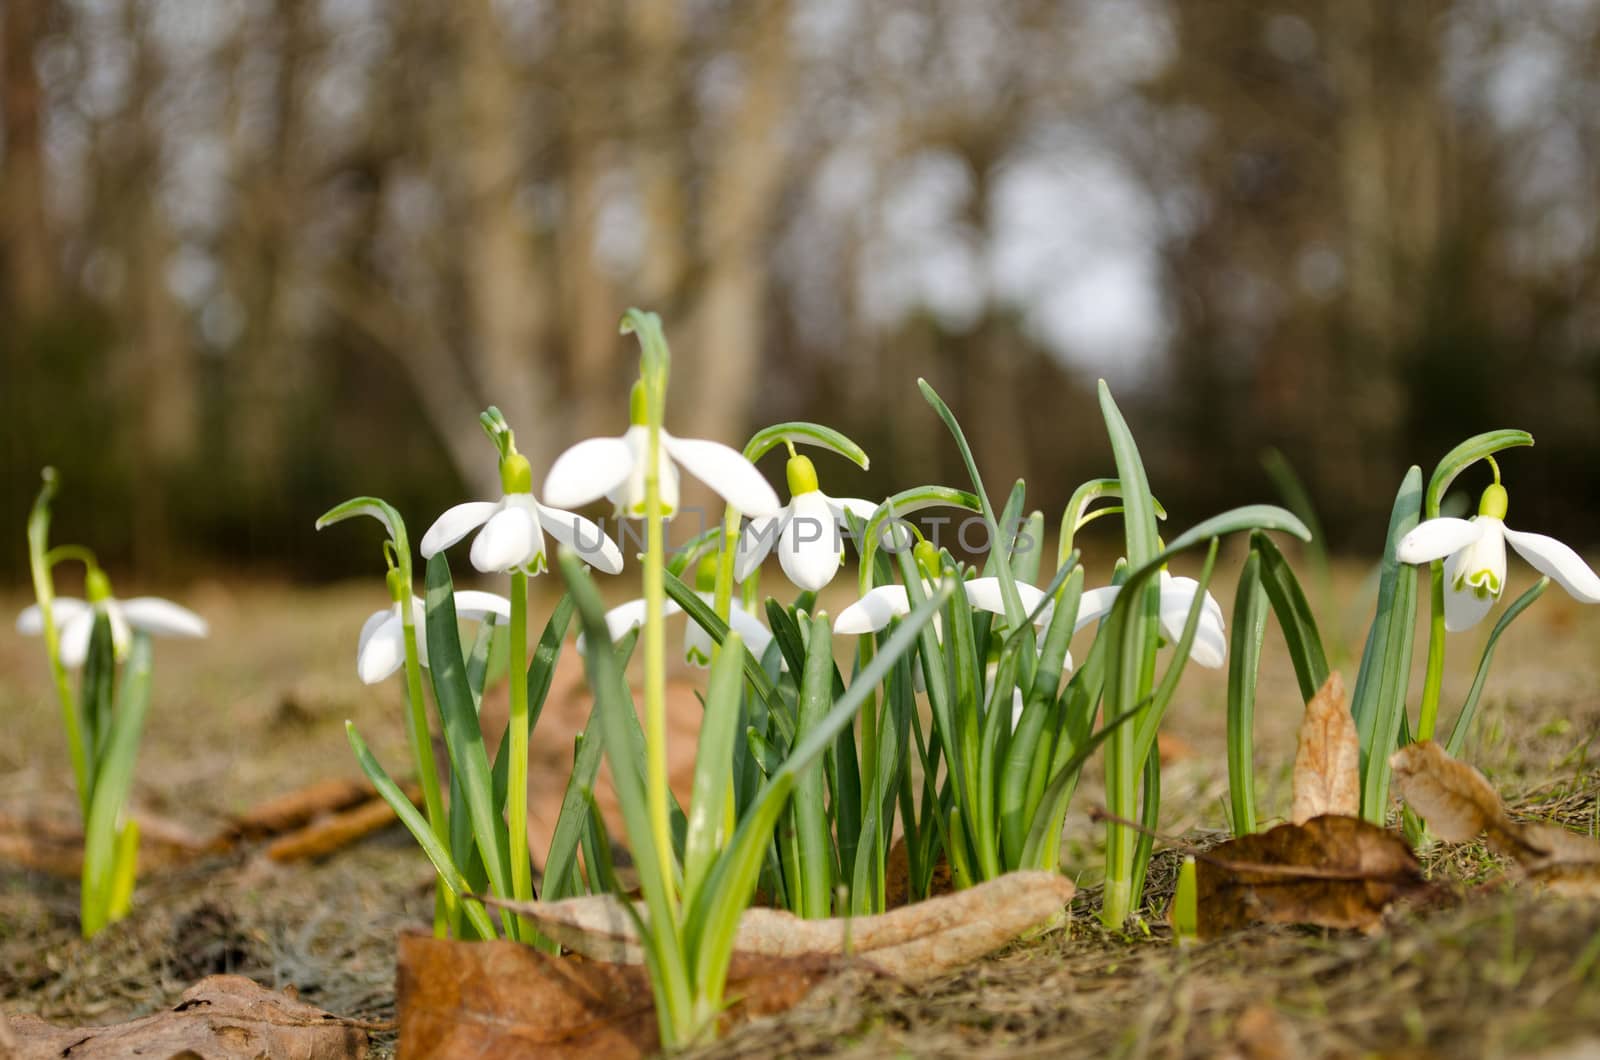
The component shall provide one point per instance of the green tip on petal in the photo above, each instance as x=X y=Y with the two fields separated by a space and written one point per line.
x=638 y=411
x=802 y=475
x=1493 y=502
x=516 y=474
x=96 y=586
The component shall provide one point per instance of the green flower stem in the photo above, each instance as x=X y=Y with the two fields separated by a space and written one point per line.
x=1434 y=679
x=44 y=592
x=655 y=642
x=517 y=785
x=422 y=748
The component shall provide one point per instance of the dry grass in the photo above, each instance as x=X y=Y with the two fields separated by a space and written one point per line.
x=259 y=710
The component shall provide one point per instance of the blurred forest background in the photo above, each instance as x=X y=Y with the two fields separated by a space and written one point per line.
x=257 y=256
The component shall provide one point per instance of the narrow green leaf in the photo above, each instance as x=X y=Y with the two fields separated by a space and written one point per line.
x=1469 y=708
x=802 y=433
x=1464 y=456
x=1244 y=669
x=95 y=692
x=462 y=735
x=714 y=919
x=696 y=610
x=114 y=779
x=1378 y=702
x=999 y=546
x=815 y=870
x=420 y=831
x=713 y=766
x=670 y=970
x=1299 y=627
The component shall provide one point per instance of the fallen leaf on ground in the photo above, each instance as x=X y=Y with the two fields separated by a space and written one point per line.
x=1327 y=765
x=286 y=812
x=1459 y=804
x=222 y=1017
x=333 y=832
x=1339 y=872
x=506 y=999
x=55 y=846
x=916 y=941
x=1262 y=1034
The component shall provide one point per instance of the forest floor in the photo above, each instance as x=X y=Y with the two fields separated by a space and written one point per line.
x=259 y=710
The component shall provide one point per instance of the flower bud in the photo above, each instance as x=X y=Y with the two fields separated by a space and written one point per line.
x=516 y=474
x=1493 y=503
x=802 y=475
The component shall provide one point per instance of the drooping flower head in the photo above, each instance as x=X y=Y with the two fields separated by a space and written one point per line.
x=1474 y=551
x=381 y=650
x=75 y=619
x=615 y=468
x=697 y=646
x=512 y=538
x=805 y=531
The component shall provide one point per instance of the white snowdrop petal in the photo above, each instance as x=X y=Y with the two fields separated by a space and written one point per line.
x=75 y=637
x=726 y=471
x=593 y=545
x=476 y=604
x=756 y=543
x=810 y=547
x=873 y=611
x=506 y=542
x=1463 y=608
x=151 y=614
x=63 y=608
x=1437 y=538
x=588 y=470
x=455 y=524
x=1559 y=562
x=1095 y=604
x=384 y=651
x=751 y=629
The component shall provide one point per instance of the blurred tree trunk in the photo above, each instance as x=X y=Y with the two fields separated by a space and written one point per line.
x=28 y=266
x=270 y=358
x=739 y=216
x=506 y=299
x=1392 y=131
x=156 y=356
x=588 y=298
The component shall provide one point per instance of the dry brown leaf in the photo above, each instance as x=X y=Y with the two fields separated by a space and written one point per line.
x=913 y=942
x=55 y=846
x=507 y=999
x=1458 y=804
x=222 y=1017
x=1454 y=798
x=1339 y=872
x=286 y=812
x=333 y=832
x=1327 y=765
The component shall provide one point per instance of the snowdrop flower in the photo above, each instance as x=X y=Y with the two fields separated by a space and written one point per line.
x=75 y=619
x=697 y=645
x=1474 y=551
x=615 y=467
x=512 y=538
x=805 y=531
x=382 y=647
x=1210 y=647
x=874 y=610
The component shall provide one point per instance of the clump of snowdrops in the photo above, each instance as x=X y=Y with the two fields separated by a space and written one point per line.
x=103 y=717
x=806 y=770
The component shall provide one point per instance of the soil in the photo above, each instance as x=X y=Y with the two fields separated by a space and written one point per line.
x=259 y=709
